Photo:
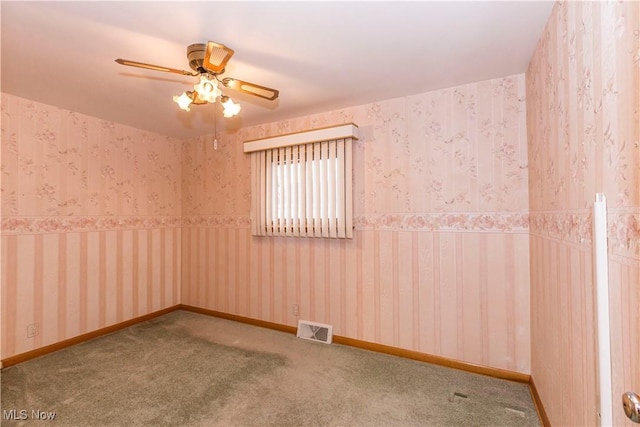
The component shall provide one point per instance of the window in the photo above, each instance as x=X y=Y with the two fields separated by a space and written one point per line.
x=302 y=188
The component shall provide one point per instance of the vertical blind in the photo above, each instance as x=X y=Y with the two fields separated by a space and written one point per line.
x=302 y=189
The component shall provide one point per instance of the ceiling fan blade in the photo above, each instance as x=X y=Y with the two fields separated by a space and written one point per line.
x=155 y=67
x=251 y=88
x=216 y=57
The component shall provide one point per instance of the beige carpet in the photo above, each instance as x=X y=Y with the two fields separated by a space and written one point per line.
x=187 y=369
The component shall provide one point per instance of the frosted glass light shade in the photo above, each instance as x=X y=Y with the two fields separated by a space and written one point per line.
x=207 y=89
x=230 y=108
x=183 y=101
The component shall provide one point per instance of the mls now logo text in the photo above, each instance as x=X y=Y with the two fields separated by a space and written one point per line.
x=23 y=414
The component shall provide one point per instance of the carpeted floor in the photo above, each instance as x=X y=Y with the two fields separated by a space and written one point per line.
x=187 y=369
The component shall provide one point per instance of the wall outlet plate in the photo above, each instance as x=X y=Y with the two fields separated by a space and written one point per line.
x=32 y=330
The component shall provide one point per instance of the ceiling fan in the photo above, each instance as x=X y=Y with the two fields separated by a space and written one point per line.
x=208 y=61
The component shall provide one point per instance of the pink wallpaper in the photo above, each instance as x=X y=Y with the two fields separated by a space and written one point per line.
x=90 y=223
x=440 y=259
x=583 y=98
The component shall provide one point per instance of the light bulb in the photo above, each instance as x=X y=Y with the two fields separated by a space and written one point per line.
x=230 y=109
x=207 y=90
x=183 y=101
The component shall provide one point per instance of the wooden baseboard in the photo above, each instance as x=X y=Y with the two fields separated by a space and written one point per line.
x=23 y=357
x=241 y=319
x=435 y=360
x=380 y=348
x=542 y=414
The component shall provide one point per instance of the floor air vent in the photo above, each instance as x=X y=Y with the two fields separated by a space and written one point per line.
x=315 y=331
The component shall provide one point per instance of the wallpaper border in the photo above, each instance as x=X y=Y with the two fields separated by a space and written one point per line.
x=575 y=227
x=67 y=224
x=471 y=222
x=475 y=221
x=567 y=226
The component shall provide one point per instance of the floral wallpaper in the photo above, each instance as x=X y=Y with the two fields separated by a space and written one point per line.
x=457 y=150
x=460 y=149
x=69 y=164
x=583 y=121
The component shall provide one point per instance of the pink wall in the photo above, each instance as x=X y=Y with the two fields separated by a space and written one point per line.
x=90 y=223
x=440 y=259
x=583 y=98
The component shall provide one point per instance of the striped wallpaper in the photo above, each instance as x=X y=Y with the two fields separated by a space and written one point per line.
x=77 y=282
x=428 y=291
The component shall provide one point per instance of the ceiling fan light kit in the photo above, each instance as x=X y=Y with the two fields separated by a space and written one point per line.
x=209 y=61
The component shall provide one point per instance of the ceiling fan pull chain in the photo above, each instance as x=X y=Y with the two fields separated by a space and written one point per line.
x=215 y=129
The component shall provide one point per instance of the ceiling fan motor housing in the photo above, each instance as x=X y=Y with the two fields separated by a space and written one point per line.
x=195 y=55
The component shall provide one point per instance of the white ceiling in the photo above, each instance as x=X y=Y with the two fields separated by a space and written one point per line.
x=320 y=55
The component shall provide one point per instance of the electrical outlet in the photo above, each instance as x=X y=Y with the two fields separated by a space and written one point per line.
x=295 y=310
x=32 y=330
